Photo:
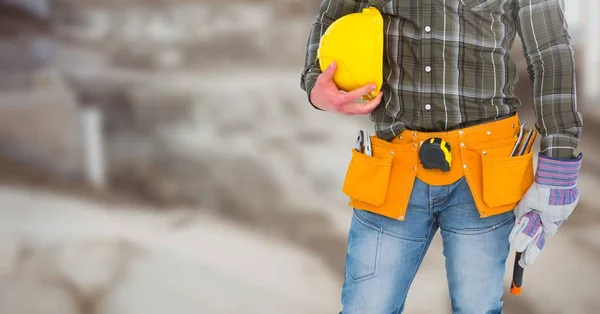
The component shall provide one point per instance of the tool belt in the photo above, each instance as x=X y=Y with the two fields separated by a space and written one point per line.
x=382 y=183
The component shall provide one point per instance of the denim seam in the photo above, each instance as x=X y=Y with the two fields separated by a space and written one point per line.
x=364 y=221
x=482 y=231
x=453 y=311
x=419 y=261
x=403 y=237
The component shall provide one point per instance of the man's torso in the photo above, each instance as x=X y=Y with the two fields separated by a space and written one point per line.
x=446 y=64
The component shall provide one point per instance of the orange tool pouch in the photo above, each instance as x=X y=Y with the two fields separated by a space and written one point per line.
x=383 y=183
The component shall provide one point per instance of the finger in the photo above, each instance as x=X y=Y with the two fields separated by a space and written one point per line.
x=357 y=93
x=327 y=75
x=533 y=250
x=530 y=232
x=517 y=229
x=521 y=242
x=368 y=107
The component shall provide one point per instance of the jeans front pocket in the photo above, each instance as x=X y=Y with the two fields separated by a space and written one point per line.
x=364 y=246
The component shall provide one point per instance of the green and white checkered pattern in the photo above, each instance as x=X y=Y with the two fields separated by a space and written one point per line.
x=447 y=65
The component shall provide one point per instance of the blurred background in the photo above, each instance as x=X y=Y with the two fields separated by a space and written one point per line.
x=159 y=156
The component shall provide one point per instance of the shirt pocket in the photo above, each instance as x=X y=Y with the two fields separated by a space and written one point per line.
x=484 y=6
x=483 y=23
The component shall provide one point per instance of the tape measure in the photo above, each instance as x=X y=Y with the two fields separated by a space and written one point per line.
x=435 y=154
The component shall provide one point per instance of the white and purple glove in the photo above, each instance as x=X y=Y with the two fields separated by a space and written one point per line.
x=547 y=204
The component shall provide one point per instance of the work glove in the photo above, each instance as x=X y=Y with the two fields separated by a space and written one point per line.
x=545 y=206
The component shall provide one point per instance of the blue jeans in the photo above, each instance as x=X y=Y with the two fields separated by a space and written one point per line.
x=384 y=254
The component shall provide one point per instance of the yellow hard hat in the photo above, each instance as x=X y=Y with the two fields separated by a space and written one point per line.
x=355 y=43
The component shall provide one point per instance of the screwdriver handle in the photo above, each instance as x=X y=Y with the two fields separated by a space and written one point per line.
x=517 y=280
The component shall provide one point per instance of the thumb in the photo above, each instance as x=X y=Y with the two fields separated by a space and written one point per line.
x=327 y=75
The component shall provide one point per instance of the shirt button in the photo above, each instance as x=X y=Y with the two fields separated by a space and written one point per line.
x=428 y=107
x=427 y=29
x=427 y=69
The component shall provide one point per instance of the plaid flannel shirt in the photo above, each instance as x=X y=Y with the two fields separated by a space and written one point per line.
x=447 y=65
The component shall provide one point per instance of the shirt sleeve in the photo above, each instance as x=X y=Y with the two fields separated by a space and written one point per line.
x=330 y=10
x=542 y=26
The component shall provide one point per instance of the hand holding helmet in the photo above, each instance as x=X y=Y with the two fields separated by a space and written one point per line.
x=350 y=57
x=326 y=96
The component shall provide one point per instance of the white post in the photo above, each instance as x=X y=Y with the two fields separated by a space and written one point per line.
x=93 y=143
x=591 y=46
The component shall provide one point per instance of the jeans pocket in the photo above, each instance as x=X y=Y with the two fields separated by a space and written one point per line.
x=364 y=249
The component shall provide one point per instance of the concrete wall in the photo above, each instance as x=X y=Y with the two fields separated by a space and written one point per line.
x=42 y=128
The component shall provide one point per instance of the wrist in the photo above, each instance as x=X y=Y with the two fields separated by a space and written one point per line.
x=561 y=172
x=309 y=81
x=310 y=98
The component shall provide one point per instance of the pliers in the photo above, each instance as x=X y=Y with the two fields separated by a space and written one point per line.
x=363 y=142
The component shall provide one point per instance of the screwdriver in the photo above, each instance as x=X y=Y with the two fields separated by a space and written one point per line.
x=517 y=280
